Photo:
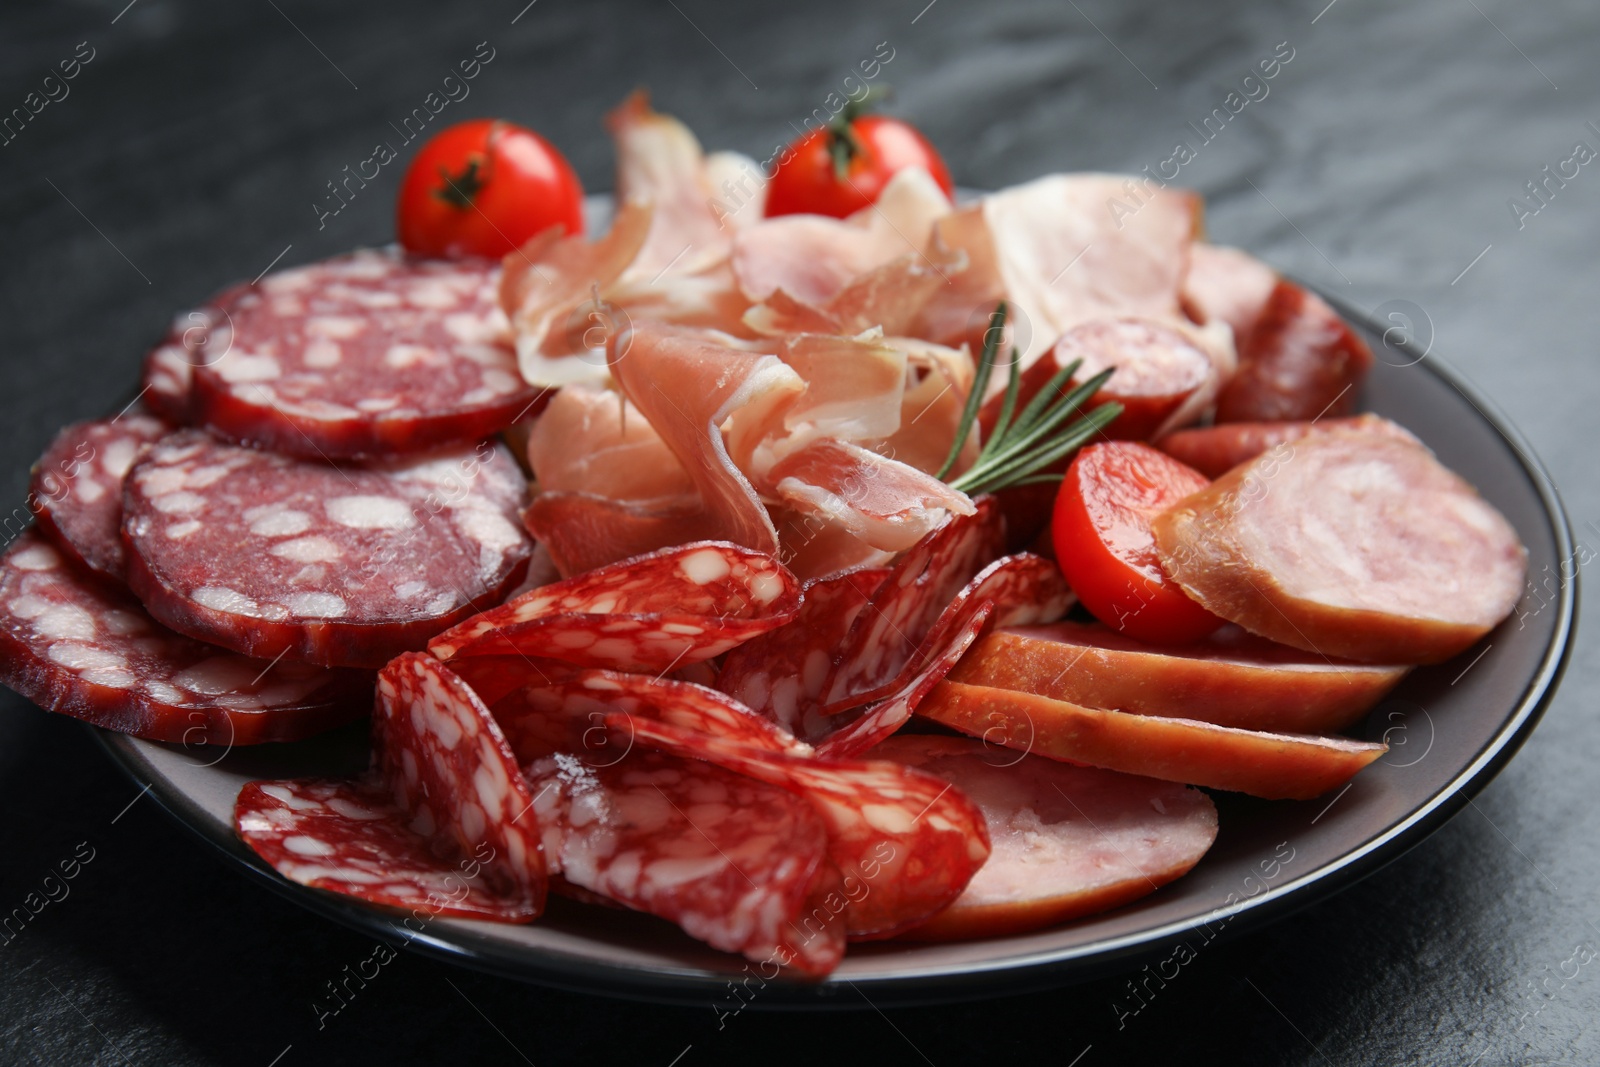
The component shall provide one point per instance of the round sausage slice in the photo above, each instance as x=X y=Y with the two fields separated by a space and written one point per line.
x=1347 y=544
x=367 y=355
x=1155 y=368
x=1216 y=450
x=1067 y=841
x=343 y=566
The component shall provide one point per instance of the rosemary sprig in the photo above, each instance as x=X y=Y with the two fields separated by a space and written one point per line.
x=1041 y=435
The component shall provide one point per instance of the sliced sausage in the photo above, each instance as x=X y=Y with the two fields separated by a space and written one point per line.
x=1216 y=450
x=1301 y=360
x=1155 y=369
x=1270 y=765
x=1067 y=841
x=1348 y=544
x=1230 y=678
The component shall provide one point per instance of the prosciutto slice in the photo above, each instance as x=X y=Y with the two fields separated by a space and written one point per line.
x=592 y=440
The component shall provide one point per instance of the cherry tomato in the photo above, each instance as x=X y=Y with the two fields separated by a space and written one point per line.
x=1101 y=530
x=841 y=168
x=483 y=188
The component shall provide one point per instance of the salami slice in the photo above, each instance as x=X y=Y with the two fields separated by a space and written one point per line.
x=270 y=556
x=650 y=613
x=1349 y=544
x=1216 y=450
x=905 y=842
x=1067 y=841
x=194 y=339
x=781 y=674
x=369 y=354
x=731 y=860
x=77 y=487
x=79 y=647
x=1274 y=766
x=450 y=769
x=570 y=715
x=1230 y=678
x=352 y=838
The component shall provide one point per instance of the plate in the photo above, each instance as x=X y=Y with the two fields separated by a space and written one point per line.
x=1450 y=729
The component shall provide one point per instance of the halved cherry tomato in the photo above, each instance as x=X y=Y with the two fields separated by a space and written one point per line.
x=483 y=188
x=1101 y=530
x=841 y=168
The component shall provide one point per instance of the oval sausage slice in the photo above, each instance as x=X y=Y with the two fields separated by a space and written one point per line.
x=1216 y=450
x=1269 y=765
x=1067 y=841
x=1231 y=678
x=1347 y=544
x=1301 y=360
x=1155 y=368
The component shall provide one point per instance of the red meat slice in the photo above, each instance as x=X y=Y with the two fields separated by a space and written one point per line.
x=270 y=556
x=371 y=354
x=1067 y=841
x=77 y=486
x=1300 y=361
x=77 y=646
x=1216 y=450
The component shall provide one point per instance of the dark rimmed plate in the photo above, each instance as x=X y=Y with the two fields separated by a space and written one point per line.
x=1450 y=727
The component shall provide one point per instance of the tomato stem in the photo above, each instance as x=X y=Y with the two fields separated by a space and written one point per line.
x=461 y=190
x=843 y=144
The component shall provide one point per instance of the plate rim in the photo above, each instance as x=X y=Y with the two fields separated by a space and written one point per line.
x=989 y=978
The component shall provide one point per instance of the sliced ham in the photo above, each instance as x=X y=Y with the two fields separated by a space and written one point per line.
x=1216 y=450
x=1066 y=841
x=1230 y=678
x=854 y=385
x=1270 y=765
x=592 y=440
x=1229 y=286
x=1347 y=544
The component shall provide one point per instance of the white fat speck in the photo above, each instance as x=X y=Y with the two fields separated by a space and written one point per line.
x=289 y=281
x=407 y=590
x=65 y=622
x=353 y=811
x=432 y=294
x=162 y=692
x=401 y=356
x=308 y=550
x=124 y=622
x=36 y=558
x=322 y=353
x=113 y=678
x=370 y=512
x=766 y=588
x=467 y=327
x=374 y=404
x=440 y=604
x=179 y=530
x=158 y=481
x=87 y=490
x=180 y=503
x=301 y=845
x=218 y=675
x=316 y=605
x=201 y=477
x=338 y=327
x=78 y=657
x=887 y=817
x=704 y=567
x=221 y=598
x=274 y=523
x=29 y=606
x=118 y=456
x=239 y=367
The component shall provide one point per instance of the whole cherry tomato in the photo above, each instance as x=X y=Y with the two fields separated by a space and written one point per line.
x=483 y=188
x=1103 y=542
x=841 y=168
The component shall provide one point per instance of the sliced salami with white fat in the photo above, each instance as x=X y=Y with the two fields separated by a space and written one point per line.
x=77 y=487
x=1066 y=841
x=269 y=555
x=76 y=646
x=369 y=354
x=1349 y=544
x=731 y=860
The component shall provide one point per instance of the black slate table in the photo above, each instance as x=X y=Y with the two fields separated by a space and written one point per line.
x=1381 y=165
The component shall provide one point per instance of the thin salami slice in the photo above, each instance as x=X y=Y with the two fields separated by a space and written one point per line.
x=1067 y=841
x=352 y=838
x=903 y=610
x=781 y=674
x=77 y=487
x=650 y=613
x=731 y=860
x=349 y=566
x=194 y=339
x=449 y=768
x=905 y=842
x=77 y=646
x=369 y=354
x=569 y=716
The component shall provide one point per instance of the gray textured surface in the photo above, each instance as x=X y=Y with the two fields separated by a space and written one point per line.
x=1378 y=167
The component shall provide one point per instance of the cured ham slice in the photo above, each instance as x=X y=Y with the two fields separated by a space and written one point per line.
x=79 y=647
x=591 y=440
x=931 y=408
x=1216 y=450
x=651 y=613
x=689 y=385
x=888 y=297
x=1074 y=247
x=733 y=861
x=811 y=548
x=583 y=532
x=1230 y=678
x=77 y=487
x=1300 y=361
x=1066 y=841
x=1270 y=765
x=1353 y=544
x=905 y=842
x=854 y=385
x=1227 y=285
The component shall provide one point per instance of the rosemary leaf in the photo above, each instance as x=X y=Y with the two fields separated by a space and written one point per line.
x=980 y=385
